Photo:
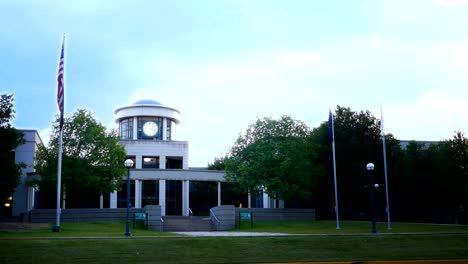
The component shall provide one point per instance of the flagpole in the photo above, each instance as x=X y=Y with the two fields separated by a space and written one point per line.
x=59 y=180
x=332 y=137
x=385 y=168
x=60 y=104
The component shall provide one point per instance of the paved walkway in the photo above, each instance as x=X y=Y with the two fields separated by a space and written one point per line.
x=230 y=234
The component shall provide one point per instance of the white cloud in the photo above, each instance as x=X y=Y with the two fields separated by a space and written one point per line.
x=450 y=3
x=299 y=59
x=434 y=116
x=453 y=56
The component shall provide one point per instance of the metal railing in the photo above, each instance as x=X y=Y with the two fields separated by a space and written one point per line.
x=216 y=222
x=162 y=223
x=190 y=212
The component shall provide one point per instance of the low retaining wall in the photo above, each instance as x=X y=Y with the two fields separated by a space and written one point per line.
x=81 y=215
x=226 y=217
x=154 y=217
x=278 y=214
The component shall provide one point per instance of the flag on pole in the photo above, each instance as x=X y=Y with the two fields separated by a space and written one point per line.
x=60 y=103
x=60 y=86
x=331 y=135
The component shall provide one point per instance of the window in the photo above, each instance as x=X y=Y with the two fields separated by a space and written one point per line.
x=174 y=162
x=170 y=130
x=126 y=128
x=150 y=162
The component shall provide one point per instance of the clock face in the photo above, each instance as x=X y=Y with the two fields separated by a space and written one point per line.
x=150 y=128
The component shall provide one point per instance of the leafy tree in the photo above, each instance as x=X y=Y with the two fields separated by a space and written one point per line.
x=358 y=141
x=11 y=139
x=277 y=155
x=92 y=160
x=218 y=164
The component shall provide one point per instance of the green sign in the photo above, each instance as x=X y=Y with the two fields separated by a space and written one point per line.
x=245 y=216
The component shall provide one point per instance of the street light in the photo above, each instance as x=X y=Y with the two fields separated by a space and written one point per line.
x=128 y=164
x=370 y=168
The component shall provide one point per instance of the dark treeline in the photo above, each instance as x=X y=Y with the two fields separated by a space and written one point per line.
x=427 y=181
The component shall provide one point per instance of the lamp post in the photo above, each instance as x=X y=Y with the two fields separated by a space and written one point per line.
x=128 y=165
x=370 y=168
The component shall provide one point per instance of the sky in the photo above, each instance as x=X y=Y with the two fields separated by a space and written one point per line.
x=224 y=64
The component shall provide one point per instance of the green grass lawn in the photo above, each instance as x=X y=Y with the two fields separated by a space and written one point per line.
x=356 y=244
x=346 y=227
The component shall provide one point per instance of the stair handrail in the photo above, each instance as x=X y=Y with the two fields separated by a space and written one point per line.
x=162 y=223
x=215 y=218
x=190 y=212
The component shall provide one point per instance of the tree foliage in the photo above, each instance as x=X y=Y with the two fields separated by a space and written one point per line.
x=92 y=159
x=277 y=155
x=10 y=140
x=218 y=164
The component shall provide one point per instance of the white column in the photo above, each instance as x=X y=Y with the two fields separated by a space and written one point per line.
x=101 y=201
x=249 y=200
x=162 y=162
x=219 y=193
x=137 y=194
x=266 y=199
x=135 y=128
x=164 y=128
x=162 y=196
x=113 y=199
x=184 y=198
x=138 y=162
x=188 y=196
x=281 y=204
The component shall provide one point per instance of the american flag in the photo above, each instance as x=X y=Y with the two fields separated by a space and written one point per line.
x=60 y=88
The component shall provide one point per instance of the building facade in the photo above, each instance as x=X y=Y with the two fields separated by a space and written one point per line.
x=24 y=197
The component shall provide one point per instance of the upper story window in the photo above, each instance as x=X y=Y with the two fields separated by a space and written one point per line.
x=170 y=130
x=126 y=128
x=149 y=127
x=150 y=162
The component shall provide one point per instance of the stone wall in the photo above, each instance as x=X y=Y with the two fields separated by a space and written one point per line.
x=154 y=217
x=81 y=215
x=278 y=214
x=226 y=216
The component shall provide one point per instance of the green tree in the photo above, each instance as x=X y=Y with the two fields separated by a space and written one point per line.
x=11 y=139
x=218 y=164
x=358 y=141
x=92 y=160
x=275 y=154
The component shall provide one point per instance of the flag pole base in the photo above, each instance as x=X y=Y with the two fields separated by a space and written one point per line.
x=56 y=229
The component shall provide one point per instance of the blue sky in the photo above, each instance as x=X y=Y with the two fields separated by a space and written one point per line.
x=224 y=64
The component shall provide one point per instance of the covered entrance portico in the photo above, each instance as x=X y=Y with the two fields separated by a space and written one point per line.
x=168 y=188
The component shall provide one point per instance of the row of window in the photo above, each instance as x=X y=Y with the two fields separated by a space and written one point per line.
x=147 y=128
x=152 y=162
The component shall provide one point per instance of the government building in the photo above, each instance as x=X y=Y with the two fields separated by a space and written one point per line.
x=160 y=174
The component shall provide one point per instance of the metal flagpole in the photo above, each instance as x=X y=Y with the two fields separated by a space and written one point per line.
x=385 y=168
x=59 y=182
x=60 y=103
x=332 y=138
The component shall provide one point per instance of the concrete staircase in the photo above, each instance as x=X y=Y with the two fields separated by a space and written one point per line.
x=187 y=223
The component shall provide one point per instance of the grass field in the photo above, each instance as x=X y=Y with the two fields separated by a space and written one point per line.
x=425 y=242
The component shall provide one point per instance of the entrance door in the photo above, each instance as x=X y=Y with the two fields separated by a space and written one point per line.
x=173 y=197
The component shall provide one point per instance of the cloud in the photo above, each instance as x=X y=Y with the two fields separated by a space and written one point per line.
x=452 y=56
x=299 y=59
x=433 y=116
x=450 y=3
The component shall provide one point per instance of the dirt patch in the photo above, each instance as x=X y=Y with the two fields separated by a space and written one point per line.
x=22 y=227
